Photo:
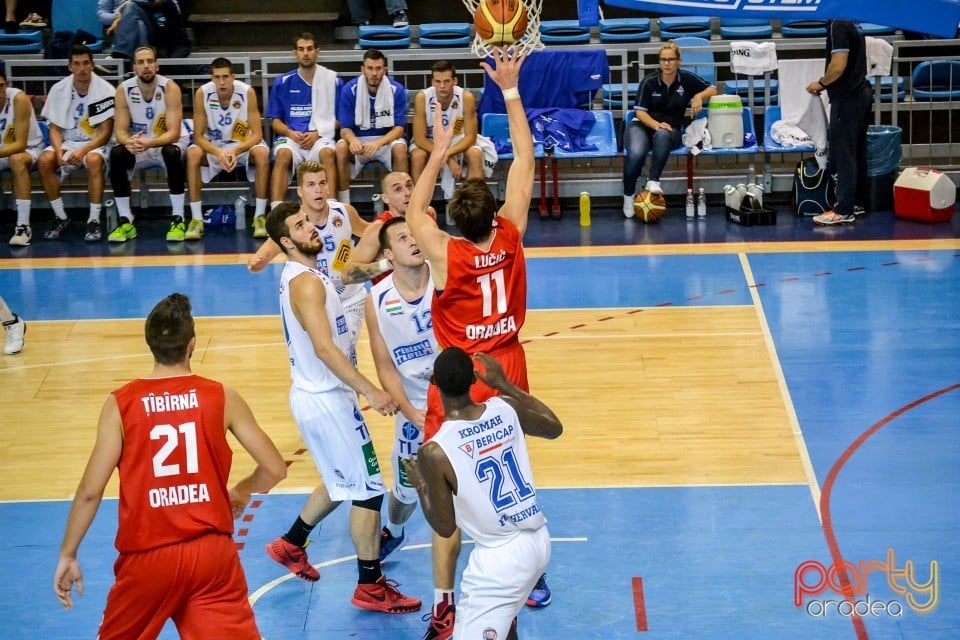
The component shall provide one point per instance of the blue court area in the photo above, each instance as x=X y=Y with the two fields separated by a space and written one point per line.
x=231 y=290
x=861 y=337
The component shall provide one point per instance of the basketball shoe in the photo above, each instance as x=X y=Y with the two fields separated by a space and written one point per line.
x=15 y=330
x=293 y=558
x=124 y=231
x=260 y=227
x=540 y=595
x=389 y=543
x=441 y=623
x=384 y=597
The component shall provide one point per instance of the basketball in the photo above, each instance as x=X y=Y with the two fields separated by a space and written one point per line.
x=649 y=207
x=500 y=23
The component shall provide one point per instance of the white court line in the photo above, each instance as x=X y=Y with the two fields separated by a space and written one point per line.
x=265 y=589
x=784 y=390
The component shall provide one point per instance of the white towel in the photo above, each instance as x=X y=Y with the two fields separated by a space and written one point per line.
x=788 y=135
x=324 y=95
x=100 y=107
x=382 y=105
x=879 y=56
x=752 y=58
x=802 y=109
x=696 y=137
x=489 y=151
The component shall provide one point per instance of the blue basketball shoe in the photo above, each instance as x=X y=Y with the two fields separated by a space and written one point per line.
x=388 y=543
x=540 y=595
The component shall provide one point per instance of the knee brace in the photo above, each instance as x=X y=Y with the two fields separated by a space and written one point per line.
x=373 y=504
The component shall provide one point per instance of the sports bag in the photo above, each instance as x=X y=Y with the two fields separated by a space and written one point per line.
x=814 y=192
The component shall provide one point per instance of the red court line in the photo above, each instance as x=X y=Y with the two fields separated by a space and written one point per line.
x=827 y=491
x=639 y=605
x=256 y=504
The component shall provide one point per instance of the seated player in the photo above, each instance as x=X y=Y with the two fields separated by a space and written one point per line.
x=20 y=146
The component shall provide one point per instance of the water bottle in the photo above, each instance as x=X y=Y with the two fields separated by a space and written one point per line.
x=756 y=191
x=691 y=207
x=240 y=210
x=730 y=197
x=741 y=191
x=584 y=209
x=701 y=204
x=113 y=220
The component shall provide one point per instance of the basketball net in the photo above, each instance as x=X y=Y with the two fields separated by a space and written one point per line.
x=526 y=44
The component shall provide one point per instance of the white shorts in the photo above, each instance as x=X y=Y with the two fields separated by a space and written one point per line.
x=153 y=157
x=301 y=155
x=354 y=315
x=70 y=146
x=447 y=182
x=210 y=170
x=496 y=583
x=33 y=151
x=384 y=155
x=406 y=444
x=339 y=441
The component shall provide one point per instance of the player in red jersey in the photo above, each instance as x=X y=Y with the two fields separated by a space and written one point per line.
x=480 y=280
x=364 y=264
x=166 y=434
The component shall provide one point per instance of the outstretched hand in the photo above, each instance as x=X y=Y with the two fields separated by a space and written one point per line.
x=490 y=372
x=507 y=72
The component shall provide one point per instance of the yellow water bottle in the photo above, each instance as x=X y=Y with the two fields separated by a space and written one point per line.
x=584 y=209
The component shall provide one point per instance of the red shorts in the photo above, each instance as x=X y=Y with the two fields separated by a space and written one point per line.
x=198 y=583
x=514 y=363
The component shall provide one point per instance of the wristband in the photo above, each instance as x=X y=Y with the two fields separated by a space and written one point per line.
x=820 y=82
x=384 y=265
x=511 y=94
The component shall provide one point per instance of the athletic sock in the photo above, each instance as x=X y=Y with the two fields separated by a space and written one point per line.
x=369 y=571
x=23 y=212
x=299 y=532
x=196 y=210
x=123 y=208
x=344 y=196
x=442 y=598
x=176 y=203
x=94 y=212
x=58 y=209
x=274 y=204
x=260 y=208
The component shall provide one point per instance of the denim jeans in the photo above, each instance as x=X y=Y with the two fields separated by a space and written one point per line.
x=637 y=142
x=360 y=9
x=131 y=31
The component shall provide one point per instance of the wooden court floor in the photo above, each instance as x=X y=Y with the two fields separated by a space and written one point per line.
x=693 y=383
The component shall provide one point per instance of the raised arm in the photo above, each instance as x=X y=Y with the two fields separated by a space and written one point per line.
x=431 y=240
x=506 y=75
x=536 y=418
x=363 y=264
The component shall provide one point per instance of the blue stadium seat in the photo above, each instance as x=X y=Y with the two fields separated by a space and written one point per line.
x=886 y=88
x=770 y=115
x=870 y=29
x=22 y=42
x=613 y=95
x=384 y=37
x=679 y=151
x=625 y=30
x=936 y=80
x=673 y=27
x=445 y=34
x=803 y=28
x=745 y=29
x=699 y=62
x=496 y=126
x=742 y=89
x=564 y=32
x=603 y=134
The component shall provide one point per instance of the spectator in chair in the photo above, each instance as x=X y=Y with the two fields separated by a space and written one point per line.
x=372 y=111
x=360 y=12
x=80 y=111
x=466 y=157
x=157 y=23
x=662 y=100
x=303 y=109
x=227 y=135
x=33 y=12
x=21 y=142
x=150 y=133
